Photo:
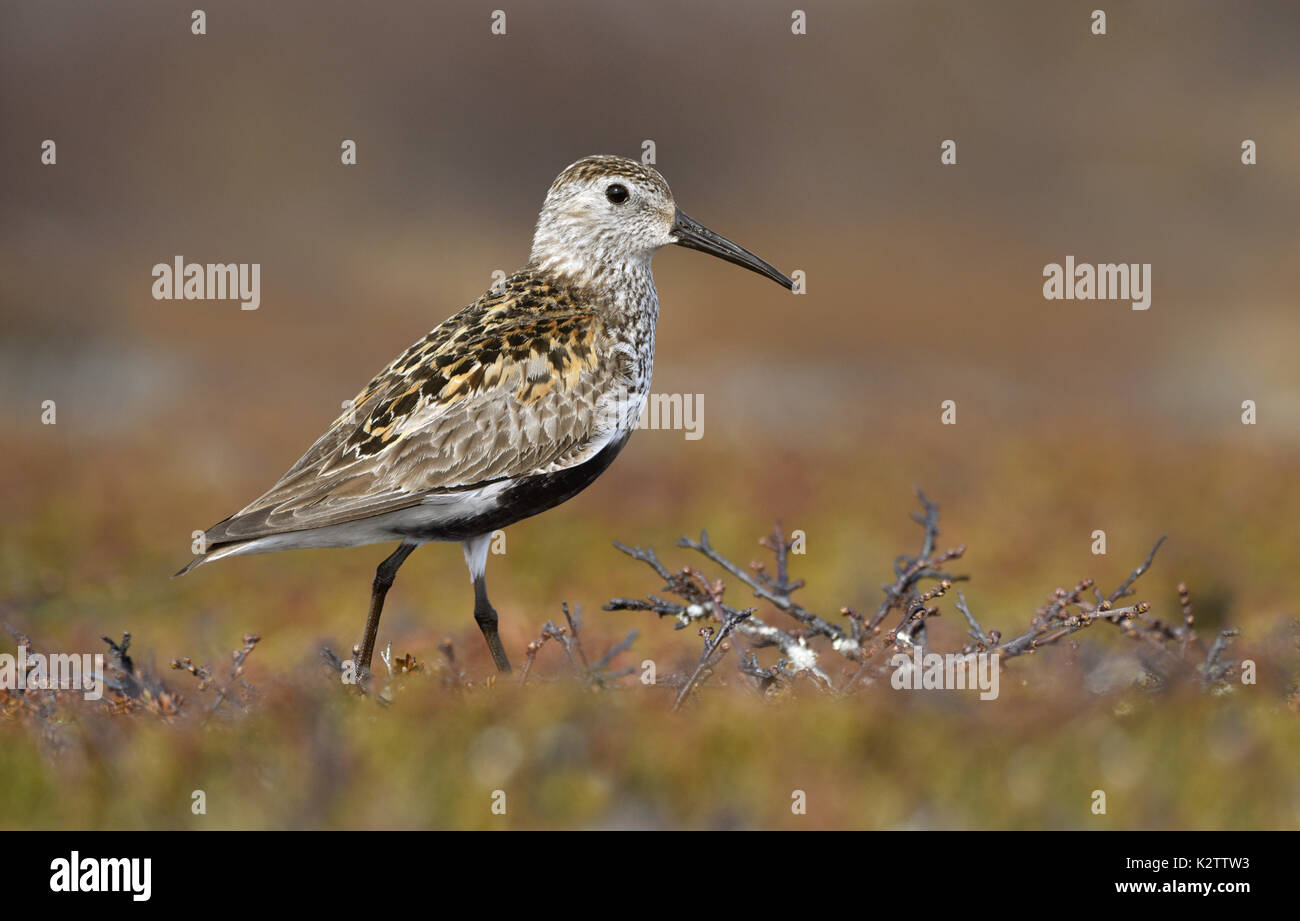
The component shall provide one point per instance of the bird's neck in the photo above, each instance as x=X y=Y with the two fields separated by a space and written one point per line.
x=592 y=269
x=621 y=287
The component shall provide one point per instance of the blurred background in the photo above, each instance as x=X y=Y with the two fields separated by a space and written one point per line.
x=819 y=152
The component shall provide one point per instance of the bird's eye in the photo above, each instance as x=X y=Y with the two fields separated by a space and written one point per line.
x=617 y=193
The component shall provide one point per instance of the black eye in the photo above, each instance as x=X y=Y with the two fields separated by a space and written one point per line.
x=617 y=193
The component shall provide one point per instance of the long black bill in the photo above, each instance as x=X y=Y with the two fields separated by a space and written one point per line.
x=694 y=235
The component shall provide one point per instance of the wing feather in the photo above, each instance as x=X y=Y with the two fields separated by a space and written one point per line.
x=511 y=385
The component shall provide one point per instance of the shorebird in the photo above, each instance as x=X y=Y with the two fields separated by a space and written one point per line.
x=514 y=404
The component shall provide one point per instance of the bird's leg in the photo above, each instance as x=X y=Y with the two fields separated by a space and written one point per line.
x=384 y=577
x=476 y=553
x=486 y=618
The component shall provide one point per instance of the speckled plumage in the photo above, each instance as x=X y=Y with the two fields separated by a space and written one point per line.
x=508 y=407
x=509 y=386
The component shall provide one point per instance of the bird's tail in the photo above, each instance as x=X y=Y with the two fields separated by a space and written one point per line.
x=217 y=552
x=192 y=564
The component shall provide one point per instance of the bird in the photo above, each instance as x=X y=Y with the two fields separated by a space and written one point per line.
x=511 y=406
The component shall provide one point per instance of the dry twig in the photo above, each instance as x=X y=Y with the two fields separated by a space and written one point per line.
x=861 y=643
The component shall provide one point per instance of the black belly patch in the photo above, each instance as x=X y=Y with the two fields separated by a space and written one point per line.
x=524 y=498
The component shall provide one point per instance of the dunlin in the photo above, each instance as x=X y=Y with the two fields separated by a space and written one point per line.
x=506 y=409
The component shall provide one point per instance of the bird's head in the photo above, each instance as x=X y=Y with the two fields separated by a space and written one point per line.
x=607 y=213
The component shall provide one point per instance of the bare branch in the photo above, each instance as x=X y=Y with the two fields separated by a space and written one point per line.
x=1065 y=612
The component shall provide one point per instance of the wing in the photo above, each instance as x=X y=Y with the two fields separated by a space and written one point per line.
x=512 y=385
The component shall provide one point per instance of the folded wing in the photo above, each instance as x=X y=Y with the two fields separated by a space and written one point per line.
x=505 y=388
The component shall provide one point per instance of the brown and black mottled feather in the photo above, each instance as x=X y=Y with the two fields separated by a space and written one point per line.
x=511 y=385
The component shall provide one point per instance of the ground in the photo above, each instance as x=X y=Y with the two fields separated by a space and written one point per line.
x=290 y=746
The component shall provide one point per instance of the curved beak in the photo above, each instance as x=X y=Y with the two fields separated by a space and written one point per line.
x=692 y=234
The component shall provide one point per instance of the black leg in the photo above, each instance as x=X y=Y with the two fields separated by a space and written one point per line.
x=384 y=576
x=486 y=618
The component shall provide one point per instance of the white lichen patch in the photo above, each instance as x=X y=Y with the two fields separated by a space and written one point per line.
x=801 y=657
